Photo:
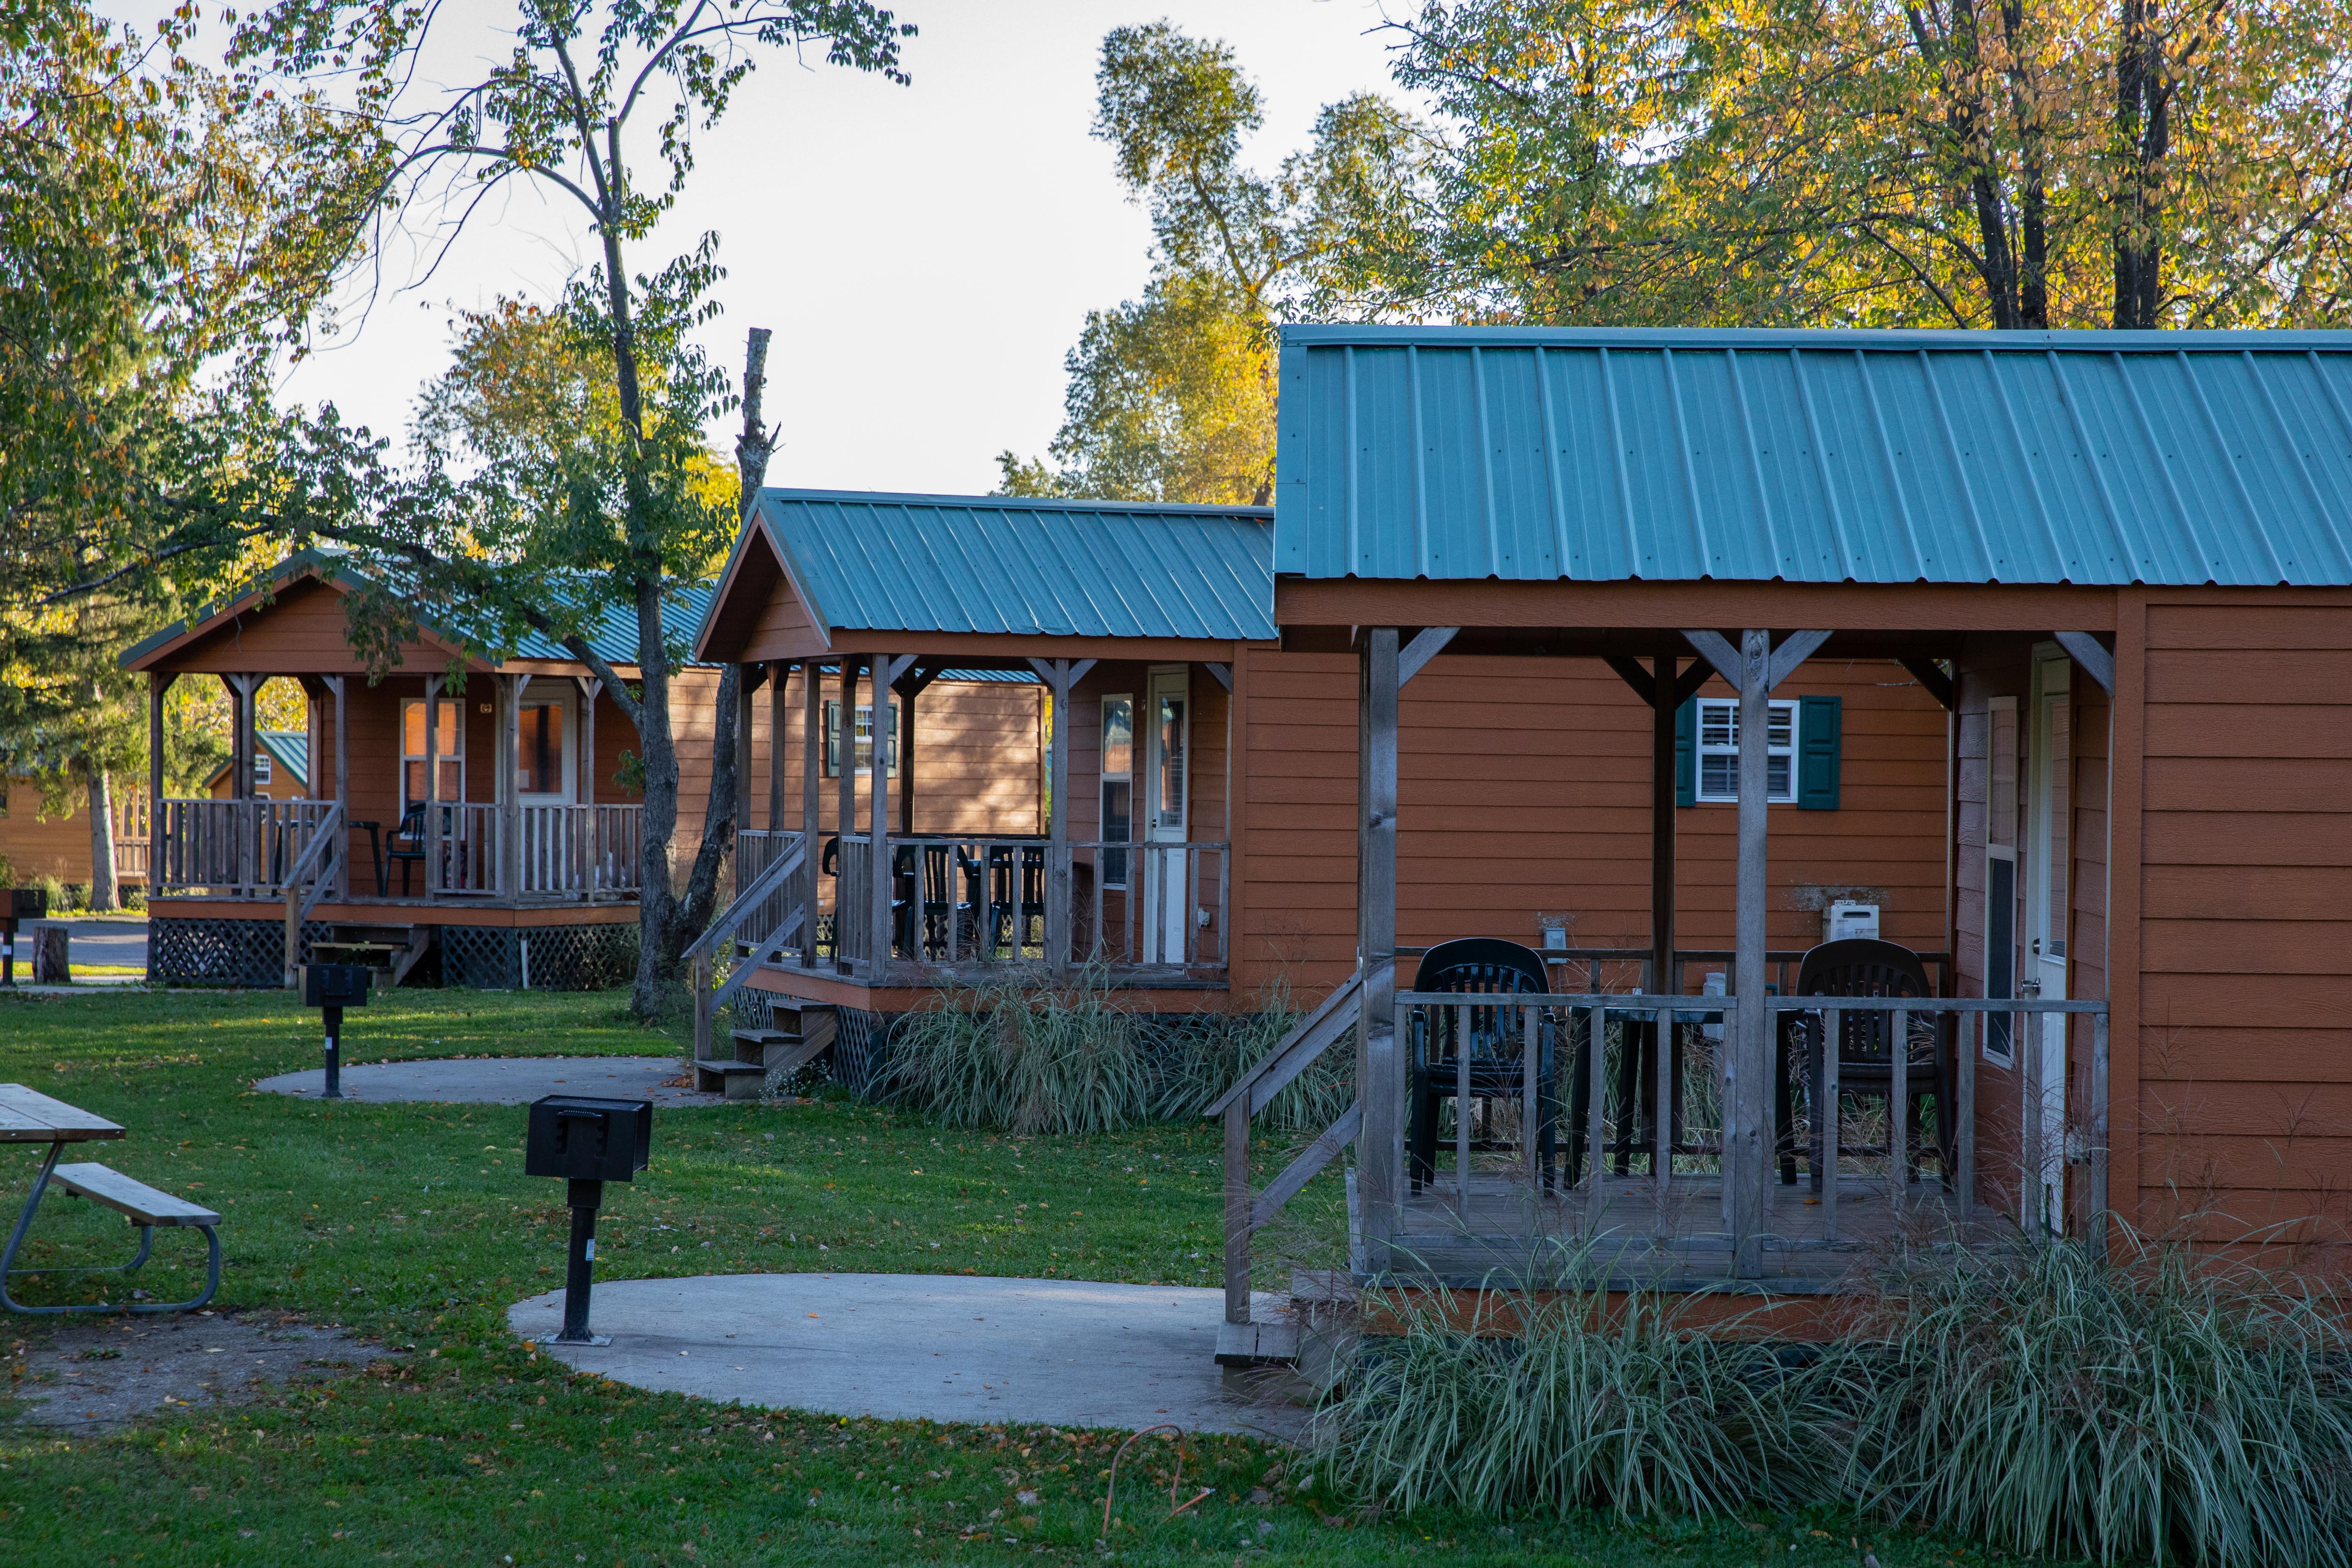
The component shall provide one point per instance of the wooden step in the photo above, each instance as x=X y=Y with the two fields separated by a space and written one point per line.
x=761 y=1046
x=1257 y=1345
x=736 y=1080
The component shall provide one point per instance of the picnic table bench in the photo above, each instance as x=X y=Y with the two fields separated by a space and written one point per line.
x=28 y=1116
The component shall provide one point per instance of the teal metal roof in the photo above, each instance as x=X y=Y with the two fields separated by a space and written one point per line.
x=287 y=749
x=1601 y=455
x=614 y=636
x=1011 y=565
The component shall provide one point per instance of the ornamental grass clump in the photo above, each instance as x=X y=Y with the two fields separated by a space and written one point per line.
x=1025 y=1055
x=1504 y=1403
x=2169 y=1409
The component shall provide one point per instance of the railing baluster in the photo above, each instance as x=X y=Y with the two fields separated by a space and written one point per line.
x=1662 y=1120
x=1825 y=1119
x=1595 y=1154
x=1462 y=1040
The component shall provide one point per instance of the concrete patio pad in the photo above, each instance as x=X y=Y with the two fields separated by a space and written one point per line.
x=1052 y=1353
x=500 y=1080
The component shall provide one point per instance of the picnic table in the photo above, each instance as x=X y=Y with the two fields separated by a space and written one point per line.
x=28 y=1116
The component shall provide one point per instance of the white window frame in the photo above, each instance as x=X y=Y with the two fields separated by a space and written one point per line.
x=861 y=729
x=449 y=743
x=261 y=765
x=1725 y=712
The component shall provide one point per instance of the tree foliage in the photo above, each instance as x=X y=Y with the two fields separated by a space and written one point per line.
x=165 y=233
x=1945 y=162
x=599 y=101
x=1171 y=396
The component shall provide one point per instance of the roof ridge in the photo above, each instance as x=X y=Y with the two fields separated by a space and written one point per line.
x=1014 y=504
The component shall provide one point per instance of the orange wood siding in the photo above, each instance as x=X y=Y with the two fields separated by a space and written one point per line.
x=36 y=846
x=2244 y=1109
x=979 y=746
x=1524 y=789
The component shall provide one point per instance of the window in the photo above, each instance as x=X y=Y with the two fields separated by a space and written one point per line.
x=1117 y=784
x=1718 y=750
x=261 y=768
x=449 y=748
x=864 y=739
x=539 y=767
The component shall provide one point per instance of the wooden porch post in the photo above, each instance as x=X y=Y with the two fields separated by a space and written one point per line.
x=912 y=685
x=1662 y=837
x=746 y=684
x=1060 y=675
x=1749 y=1059
x=844 y=917
x=339 y=686
x=158 y=682
x=812 y=806
x=878 y=808
x=1379 y=1071
x=432 y=784
x=591 y=842
x=510 y=690
x=777 y=676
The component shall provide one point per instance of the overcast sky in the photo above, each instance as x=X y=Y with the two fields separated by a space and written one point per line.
x=925 y=254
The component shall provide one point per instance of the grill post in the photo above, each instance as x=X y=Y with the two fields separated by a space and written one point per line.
x=585 y=1198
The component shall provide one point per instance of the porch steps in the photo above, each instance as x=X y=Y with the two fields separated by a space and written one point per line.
x=807 y=1033
x=389 y=952
x=1305 y=1331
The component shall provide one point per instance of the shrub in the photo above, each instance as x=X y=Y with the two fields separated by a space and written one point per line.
x=1024 y=1055
x=2171 y=1410
x=1564 y=1403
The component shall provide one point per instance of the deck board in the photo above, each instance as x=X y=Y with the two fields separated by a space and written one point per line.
x=1512 y=1235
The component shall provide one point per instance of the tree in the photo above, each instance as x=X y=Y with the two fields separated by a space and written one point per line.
x=2022 y=164
x=1171 y=396
x=166 y=234
x=617 y=517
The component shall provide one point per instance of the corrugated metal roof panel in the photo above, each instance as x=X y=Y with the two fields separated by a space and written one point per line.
x=1003 y=565
x=1604 y=454
x=614 y=635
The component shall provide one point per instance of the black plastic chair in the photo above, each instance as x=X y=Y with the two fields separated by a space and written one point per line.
x=1863 y=966
x=1472 y=966
x=412 y=830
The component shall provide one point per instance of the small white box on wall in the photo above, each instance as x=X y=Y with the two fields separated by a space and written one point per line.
x=1845 y=919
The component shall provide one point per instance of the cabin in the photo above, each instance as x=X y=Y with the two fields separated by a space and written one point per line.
x=2120 y=563
x=489 y=824
x=281 y=767
x=1206 y=860
x=35 y=843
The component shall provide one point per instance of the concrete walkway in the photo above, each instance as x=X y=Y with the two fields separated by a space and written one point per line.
x=1054 y=1353
x=500 y=1080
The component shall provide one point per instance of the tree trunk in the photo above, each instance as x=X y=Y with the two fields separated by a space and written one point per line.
x=753 y=449
x=657 y=903
x=2142 y=135
x=101 y=838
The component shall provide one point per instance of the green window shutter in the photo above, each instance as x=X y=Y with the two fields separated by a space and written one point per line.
x=833 y=740
x=1686 y=754
x=1820 y=744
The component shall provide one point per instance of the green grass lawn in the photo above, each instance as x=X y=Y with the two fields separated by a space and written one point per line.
x=414 y=1226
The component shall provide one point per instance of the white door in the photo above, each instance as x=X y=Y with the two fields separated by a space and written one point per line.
x=2048 y=859
x=1167 y=886
x=546 y=760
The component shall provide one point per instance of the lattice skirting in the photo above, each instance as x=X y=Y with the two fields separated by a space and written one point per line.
x=543 y=958
x=205 y=951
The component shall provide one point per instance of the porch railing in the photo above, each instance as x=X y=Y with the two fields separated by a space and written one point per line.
x=961 y=904
x=753 y=930
x=579 y=850
x=238 y=849
x=1664 y=1209
x=245 y=849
